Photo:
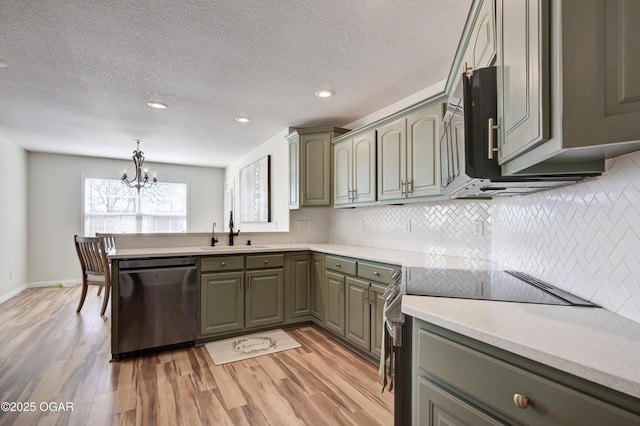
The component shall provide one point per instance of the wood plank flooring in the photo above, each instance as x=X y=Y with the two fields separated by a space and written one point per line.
x=50 y=354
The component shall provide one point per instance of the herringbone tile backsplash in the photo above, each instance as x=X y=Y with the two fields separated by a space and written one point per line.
x=584 y=238
x=445 y=227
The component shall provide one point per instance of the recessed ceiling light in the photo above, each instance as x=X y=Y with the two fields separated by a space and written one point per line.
x=324 y=93
x=157 y=105
x=243 y=119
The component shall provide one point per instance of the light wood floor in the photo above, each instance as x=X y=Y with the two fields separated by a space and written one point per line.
x=50 y=354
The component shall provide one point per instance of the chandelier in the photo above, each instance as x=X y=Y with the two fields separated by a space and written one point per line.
x=141 y=179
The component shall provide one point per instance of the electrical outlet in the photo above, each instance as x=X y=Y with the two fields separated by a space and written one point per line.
x=478 y=227
x=407 y=226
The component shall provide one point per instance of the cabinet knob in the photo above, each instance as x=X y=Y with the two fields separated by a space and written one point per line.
x=266 y=261
x=521 y=401
x=223 y=263
x=338 y=265
x=376 y=273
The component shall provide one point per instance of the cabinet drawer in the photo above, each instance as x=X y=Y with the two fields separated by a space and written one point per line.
x=341 y=264
x=265 y=261
x=494 y=383
x=221 y=263
x=375 y=272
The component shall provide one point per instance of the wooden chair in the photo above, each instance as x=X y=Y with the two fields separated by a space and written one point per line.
x=95 y=267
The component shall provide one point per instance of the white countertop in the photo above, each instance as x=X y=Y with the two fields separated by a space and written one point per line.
x=395 y=257
x=592 y=343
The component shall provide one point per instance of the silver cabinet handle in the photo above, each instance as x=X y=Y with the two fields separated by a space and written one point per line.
x=338 y=265
x=266 y=261
x=492 y=127
x=409 y=187
x=376 y=273
x=223 y=264
x=403 y=188
x=521 y=401
x=467 y=70
x=349 y=194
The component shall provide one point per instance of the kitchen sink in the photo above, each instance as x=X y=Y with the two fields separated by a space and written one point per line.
x=232 y=248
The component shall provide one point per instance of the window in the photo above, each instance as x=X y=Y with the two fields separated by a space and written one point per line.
x=111 y=207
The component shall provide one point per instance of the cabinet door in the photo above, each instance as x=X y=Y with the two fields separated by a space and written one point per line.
x=300 y=285
x=357 y=313
x=334 y=314
x=392 y=155
x=523 y=76
x=423 y=136
x=318 y=285
x=221 y=302
x=315 y=169
x=481 y=49
x=377 y=319
x=343 y=174
x=265 y=292
x=364 y=167
x=294 y=173
x=435 y=406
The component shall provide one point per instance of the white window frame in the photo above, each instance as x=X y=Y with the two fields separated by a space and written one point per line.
x=139 y=215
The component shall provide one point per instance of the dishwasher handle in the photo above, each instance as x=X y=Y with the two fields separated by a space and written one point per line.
x=157 y=263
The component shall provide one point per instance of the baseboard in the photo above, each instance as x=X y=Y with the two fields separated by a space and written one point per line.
x=65 y=283
x=12 y=293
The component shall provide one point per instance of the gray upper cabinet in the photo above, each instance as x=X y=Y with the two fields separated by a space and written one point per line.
x=310 y=166
x=408 y=155
x=355 y=169
x=481 y=49
x=567 y=79
x=523 y=101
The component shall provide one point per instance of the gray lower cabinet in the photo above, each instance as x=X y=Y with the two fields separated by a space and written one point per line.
x=221 y=295
x=264 y=304
x=318 y=288
x=377 y=318
x=221 y=302
x=355 y=303
x=240 y=292
x=365 y=306
x=264 y=297
x=358 y=318
x=461 y=381
x=299 y=287
x=365 y=314
x=334 y=307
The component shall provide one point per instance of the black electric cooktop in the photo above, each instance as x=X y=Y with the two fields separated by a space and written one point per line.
x=507 y=286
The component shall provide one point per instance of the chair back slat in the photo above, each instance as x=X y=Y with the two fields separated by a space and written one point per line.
x=92 y=254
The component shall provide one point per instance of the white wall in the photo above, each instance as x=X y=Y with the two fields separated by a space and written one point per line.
x=13 y=219
x=278 y=148
x=55 y=210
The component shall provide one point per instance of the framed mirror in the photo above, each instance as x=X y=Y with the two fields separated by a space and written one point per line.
x=255 y=201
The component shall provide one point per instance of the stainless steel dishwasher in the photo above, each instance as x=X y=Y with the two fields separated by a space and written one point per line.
x=156 y=305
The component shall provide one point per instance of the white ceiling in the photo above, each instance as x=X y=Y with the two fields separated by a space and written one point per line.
x=79 y=72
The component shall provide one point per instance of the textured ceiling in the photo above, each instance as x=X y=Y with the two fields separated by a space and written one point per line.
x=79 y=72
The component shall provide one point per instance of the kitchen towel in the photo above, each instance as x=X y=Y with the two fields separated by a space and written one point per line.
x=250 y=346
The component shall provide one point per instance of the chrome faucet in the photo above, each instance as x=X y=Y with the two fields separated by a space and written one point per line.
x=214 y=240
x=231 y=233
